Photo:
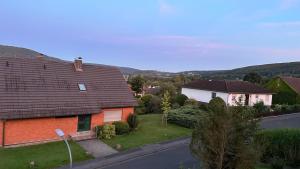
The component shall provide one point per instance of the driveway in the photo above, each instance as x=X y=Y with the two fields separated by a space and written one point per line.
x=283 y=121
x=97 y=148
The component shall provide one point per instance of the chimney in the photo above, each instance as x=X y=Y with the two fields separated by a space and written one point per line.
x=78 y=64
x=40 y=56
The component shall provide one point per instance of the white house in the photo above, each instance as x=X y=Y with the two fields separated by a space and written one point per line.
x=232 y=92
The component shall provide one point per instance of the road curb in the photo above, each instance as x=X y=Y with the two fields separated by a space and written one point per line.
x=129 y=155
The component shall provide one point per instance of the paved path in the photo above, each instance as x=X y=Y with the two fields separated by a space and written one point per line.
x=97 y=148
x=283 y=121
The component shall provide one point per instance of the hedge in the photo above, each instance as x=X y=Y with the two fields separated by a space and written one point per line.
x=280 y=143
x=185 y=116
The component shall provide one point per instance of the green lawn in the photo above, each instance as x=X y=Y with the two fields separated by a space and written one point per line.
x=149 y=131
x=46 y=156
x=263 y=166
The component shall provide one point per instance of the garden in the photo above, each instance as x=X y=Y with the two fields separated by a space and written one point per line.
x=148 y=131
x=44 y=156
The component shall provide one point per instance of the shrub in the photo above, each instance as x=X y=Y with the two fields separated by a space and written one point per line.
x=121 y=127
x=140 y=109
x=185 y=116
x=151 y=104
x=281 y=143
x=132 y=121
x=106 y=131
x=277 y=108
x=192 y=102
x=175 y=106
x=223 y=137
x=261 y=108
x=277 y=163
x=180 y=99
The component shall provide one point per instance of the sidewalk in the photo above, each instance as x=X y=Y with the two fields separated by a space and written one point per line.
x=128 y=155
x=97 y=148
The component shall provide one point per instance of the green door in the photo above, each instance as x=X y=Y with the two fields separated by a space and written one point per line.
x=84 y=122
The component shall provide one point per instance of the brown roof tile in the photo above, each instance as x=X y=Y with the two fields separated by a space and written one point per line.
x=43 y=88
x=293 y=82
x=226 y=86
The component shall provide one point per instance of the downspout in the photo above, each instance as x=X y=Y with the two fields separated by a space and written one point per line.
x=3 y=133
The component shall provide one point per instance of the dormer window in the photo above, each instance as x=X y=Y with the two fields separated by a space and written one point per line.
x=81 y=87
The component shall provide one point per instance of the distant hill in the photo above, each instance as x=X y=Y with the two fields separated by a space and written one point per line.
x=267 y=70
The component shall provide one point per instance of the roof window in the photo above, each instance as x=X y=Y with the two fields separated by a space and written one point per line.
x=81 y=87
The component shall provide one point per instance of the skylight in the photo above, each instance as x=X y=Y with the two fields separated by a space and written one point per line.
x=81 y=87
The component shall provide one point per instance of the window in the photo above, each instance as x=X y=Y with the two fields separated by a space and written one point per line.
x=84 y=123
x=81 y=87
x=112 y=115
x=213 y=95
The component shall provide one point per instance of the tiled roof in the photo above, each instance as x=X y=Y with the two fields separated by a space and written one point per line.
x=43 y=88
x=226 y=86
x=293 y=82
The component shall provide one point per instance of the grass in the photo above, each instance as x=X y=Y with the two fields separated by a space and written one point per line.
x=150 y=131
x=46 y=156
x=263 y=166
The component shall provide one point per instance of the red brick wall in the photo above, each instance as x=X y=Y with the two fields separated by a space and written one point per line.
x=43 y=129
x=126 y=113
x=35 y=130
x=97 y=119
x=1 y=129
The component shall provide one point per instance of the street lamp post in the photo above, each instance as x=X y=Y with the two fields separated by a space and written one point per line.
x=61 y=134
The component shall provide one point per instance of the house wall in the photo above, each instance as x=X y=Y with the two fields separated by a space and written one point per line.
x=1 y=132
x=255 y=98
x=283 y=93
x=37 y=130
x=203 y=95
x=25 y=131
x=233 y=98
x=98 y=119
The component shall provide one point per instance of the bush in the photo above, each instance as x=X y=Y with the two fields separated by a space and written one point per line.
x=151 y=104
x=140 y=109
x=276 y=108
x=261 y=108
x=106 y=131
x=277 y=163
x=180 y=99
x=121 y=128
x=284 y=108
x=185 y=116
x=132 y=121
x=281 y=143
x=191 y=102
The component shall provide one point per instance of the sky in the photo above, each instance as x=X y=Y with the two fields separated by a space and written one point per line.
x=166 y=35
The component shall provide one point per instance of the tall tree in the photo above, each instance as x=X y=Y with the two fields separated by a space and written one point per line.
x=223 y=137
x=166 y=107
x=137 y=83
x=253 y=77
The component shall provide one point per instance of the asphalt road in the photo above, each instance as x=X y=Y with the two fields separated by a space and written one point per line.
x=180 y=155
x=170 y=159
x=284 y=121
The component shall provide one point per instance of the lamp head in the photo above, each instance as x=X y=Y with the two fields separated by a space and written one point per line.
x=59 y=132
